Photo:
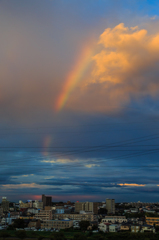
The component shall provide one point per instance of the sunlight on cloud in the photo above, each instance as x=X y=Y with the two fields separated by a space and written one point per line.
x=125 y=51
x=23 y=185
x=92 y=165
x=60 y=161
x=131 y=185
x=27 y=175
x=125 y=69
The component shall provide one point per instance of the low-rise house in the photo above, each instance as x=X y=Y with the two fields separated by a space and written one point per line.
x=134 y=210
x=104 y=227
x=149 y=210
x=135 y=228
x=148 y=228
x=114 y=227
x=57 y=224
x=93 y=225
x=124 y=227
x=133 y=220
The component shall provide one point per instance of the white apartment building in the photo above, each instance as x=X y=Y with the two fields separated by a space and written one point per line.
x=114 y=219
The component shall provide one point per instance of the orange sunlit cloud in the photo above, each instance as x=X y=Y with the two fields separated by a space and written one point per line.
x=125 y=68
x=131 y=184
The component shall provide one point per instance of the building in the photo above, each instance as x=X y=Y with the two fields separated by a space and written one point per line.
x=79 y=217
x=104 y=227
x=114 y=228
x=26 y=217
x=23 y=205
x=114 y=219
x=48 y=208
x=32 y=210
x=47 y=201
x=1 y=211
x=135 y=228
x=57 y=224
x=148 y=228
x=110 y=205
x=152 y=220
x=87 y=207
x=60 y=211
x=5 y=204
x=44 y=215
x=38 y=205
x=34 y=223
x=124 y=227
x=134 y=210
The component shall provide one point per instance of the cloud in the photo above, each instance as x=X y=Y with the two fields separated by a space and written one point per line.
x=154 y=17
x=92 y=165
x=131 y=185
x=25 y=175
x=48 y=178
x=22 y=185
x=60 y=161
x=25 y=185
x=125 y=69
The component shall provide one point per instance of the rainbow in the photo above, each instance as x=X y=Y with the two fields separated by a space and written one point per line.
x=46 y=145
x=74 y=76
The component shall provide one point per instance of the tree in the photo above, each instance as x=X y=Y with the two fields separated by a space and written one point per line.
x=21 y=234
x=102 y=211
x=19 y=223
x=84 y=225
x=4 y=234
x=10 y=227
x=79 y=236
x=58 y=236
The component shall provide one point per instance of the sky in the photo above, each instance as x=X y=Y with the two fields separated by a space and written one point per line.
x=79 y=100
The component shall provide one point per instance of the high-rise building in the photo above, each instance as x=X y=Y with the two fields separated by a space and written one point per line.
x=87 y=207
x=47 y=201
x=5 y=204
x=110 y=205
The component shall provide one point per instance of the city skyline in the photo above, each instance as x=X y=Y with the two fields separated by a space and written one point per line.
x=79 y=100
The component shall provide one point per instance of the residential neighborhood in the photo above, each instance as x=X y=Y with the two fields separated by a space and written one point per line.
x=106 y=216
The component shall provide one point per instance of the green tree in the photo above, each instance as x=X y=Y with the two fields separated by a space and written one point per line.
x=79 y=236
x=21 y=234
x=19 y=223
x=4 y=234
x=40 y=238
x=84 y=225
x=58 y=236
x=10 y=227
